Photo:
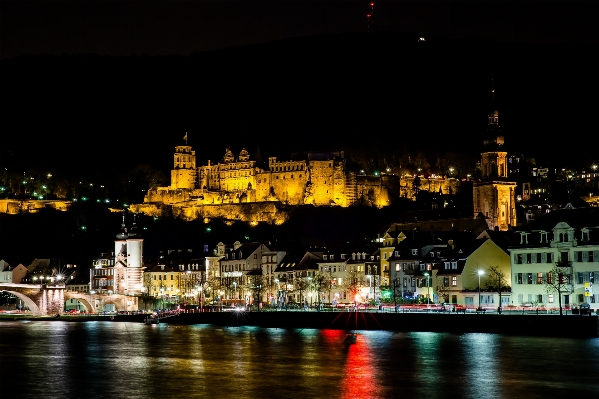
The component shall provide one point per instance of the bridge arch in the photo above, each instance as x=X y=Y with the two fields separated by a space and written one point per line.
x=35 y=310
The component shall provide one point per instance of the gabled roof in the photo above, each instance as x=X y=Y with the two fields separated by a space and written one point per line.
x=299 y=260
x=577 y=218
x=244 y=251
x=159 y=269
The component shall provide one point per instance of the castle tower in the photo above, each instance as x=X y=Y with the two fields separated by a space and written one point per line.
x=184 y=171
x=494 y=195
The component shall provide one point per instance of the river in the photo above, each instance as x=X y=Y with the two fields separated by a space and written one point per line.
x=54 y=359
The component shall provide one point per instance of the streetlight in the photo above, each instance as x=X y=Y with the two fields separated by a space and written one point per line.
x=480 y=273
x=234 y=291
x=427 y=275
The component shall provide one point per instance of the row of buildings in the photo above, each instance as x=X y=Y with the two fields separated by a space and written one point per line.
x=484 y=268
x=552 y=261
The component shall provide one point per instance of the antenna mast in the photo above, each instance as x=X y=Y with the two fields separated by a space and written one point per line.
x=370 y=18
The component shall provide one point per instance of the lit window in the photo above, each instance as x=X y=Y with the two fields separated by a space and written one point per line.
x=454 y=281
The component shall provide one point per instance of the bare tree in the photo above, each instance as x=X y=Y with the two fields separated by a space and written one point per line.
x=257 y=284
x=352 y=284
x=442 y=289
x=560 y=280
x=322 y=283
x=497 y=282
x=300 y=284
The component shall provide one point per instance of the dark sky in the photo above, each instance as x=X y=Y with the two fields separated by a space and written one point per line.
x=180 y=27
x=119 y=113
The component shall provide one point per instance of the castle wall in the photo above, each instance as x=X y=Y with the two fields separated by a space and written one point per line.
x=377 y=191
x=12 y=206
x=433 y=185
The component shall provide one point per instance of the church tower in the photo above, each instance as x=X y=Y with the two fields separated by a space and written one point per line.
x=494 y=195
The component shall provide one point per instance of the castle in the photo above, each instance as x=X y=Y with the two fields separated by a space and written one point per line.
x=319 y=179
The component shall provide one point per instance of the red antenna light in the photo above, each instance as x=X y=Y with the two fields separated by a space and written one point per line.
x=370 y=17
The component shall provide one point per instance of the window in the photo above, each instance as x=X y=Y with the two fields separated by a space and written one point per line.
x=255 y=256
x=591 y=277
x=396 y=253
x=454 y=265
x=519 y=278
x=324 y=257
x=529 y=280
x=454 y=281
x=414 y=252
x=519 y=258
x=590 y=256
x=384 y=255
x=445 y=281
x=578 y=256
x=528 y=258
x=549 y=257
x=549 y=278
x=446 y=265
x=580 y=278
x=540 y=279
x=539 y=258
x=550 y=298
x=397 y=267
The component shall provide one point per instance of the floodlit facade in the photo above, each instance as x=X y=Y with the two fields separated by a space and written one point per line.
x=534 y=251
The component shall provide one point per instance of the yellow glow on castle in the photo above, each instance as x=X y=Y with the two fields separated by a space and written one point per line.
x=239 y=189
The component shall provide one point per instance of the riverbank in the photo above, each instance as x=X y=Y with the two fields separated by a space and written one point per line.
x=528 y=325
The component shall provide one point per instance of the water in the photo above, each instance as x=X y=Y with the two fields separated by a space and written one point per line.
x=56 y=359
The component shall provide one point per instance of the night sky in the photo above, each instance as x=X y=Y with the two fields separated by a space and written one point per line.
x=122 y=111
x=180 y=27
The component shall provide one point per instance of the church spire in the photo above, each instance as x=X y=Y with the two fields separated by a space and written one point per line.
x=123 y=234
x=493 y=138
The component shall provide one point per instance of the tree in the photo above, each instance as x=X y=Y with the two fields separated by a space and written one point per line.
x=560 y=280
x=352 y=284
x=300 y=284
x=497 y=282
x=322 y=283
x=257 y=284
x=442 y=289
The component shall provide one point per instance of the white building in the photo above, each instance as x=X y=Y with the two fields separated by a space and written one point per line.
x=569 y=235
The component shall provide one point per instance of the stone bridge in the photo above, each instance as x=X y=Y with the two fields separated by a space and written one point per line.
x=49 y=299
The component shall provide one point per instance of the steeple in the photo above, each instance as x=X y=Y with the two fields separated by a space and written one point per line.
x=133 y=232
x=123 y=234
x=493 y=139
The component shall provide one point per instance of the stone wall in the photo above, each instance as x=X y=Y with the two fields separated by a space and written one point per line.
x=31 y=206
x=254 y=212
x=433 y=185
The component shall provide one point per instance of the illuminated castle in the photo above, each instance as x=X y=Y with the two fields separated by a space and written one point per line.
x=316 y=178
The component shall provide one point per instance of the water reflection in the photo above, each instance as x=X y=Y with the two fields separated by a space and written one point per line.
x=126 y=360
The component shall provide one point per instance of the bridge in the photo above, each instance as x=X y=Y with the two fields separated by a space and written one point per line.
x=49 y=299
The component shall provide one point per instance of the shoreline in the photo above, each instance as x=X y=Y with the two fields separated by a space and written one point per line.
x=527 y=325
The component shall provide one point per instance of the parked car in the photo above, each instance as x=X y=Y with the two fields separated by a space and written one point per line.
x=585 y=308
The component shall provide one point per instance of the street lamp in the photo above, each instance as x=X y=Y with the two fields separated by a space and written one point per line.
x=480 y=273
x=234 y=291
x=427 y=275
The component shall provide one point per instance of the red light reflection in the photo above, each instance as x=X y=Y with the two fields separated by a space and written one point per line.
x=360 y=379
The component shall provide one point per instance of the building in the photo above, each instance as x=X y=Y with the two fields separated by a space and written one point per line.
x=121 y=271
x=293 y=275
x=568 y=237
x=494 y=195
x=237 y=264
x=469 y=272
x=319 y=179
x=13 y=275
